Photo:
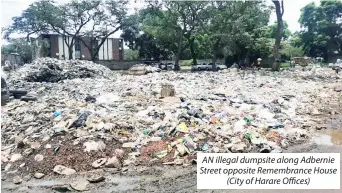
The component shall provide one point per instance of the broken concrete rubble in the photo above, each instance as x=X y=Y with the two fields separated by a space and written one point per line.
x=15 y=157
x=227 y=111
x=95 y=178
x=17 y=180
x=98 y=163
x=80 y=185
x=38 y=158
x=39 y=175
x=113 y=162
x=63 y=170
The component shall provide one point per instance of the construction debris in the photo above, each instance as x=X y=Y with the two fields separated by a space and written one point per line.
x=39 y=175
x=80 y=185
x=63 y=170
x=17 y=180
x=95 y=178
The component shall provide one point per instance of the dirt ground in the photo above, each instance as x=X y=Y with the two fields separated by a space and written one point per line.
x=152 y=179
x=165 y=178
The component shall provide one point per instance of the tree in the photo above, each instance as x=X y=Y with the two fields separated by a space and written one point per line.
x=29 y=23
x=107 y=18
x=23 y=48
x=74 y=20
x=131 y=54
x=279 y=6
x=272 y=33
x=18 y=46
x=138 y=35
x=200 y=30
x=321 y=33
x=234 y=28
x=287 y=50
x=69 y=19
x=45 y=16
x=181 y=19
x=190 y=16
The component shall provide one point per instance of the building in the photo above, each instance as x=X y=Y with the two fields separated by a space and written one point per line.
x=111 y=49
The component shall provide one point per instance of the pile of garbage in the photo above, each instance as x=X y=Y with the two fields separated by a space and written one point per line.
x=142 y=69
x=303 y=61
x=85 y=123
x=54 y=70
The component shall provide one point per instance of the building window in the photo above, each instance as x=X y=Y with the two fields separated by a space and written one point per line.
x=46 y=45
x=77 y=44
x=77 y=48
x=94 y=44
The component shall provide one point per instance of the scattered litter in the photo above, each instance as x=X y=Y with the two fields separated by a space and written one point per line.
x=161 y=154
x=94 y=146
x=165 y=116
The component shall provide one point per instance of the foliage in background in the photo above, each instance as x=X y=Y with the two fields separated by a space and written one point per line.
x=272 y=31
x=25 y=49
x=287 y=51
x=19 y=46
x=94 y=19
x=181 y=30
x=321 y=34
x=131 y=54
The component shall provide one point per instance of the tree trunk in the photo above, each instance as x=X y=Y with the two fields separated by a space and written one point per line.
x=214 y=60
x=71 y=51
x=69 y=46
x=179 y=52
x=215 y=51
x=279 y=11
x=192 y=50
x=95 y=54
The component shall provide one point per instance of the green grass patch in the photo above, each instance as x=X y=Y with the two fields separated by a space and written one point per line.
x=285 y=65
x=185 y=62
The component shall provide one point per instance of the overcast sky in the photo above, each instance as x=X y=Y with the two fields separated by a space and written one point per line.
x=11 y=8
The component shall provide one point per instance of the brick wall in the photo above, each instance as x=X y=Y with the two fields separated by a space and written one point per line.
x=84 y=50
x=116 y=54
x=54 y=46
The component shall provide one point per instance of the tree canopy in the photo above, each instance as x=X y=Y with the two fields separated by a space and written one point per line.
x=94 y=19
x=321 y=34
x=235 y=31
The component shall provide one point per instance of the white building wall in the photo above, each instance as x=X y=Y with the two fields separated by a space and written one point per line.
x=105 y=50
x=60 y=47
x=101 y=52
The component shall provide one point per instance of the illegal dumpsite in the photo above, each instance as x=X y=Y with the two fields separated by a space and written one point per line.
x=84 y=111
